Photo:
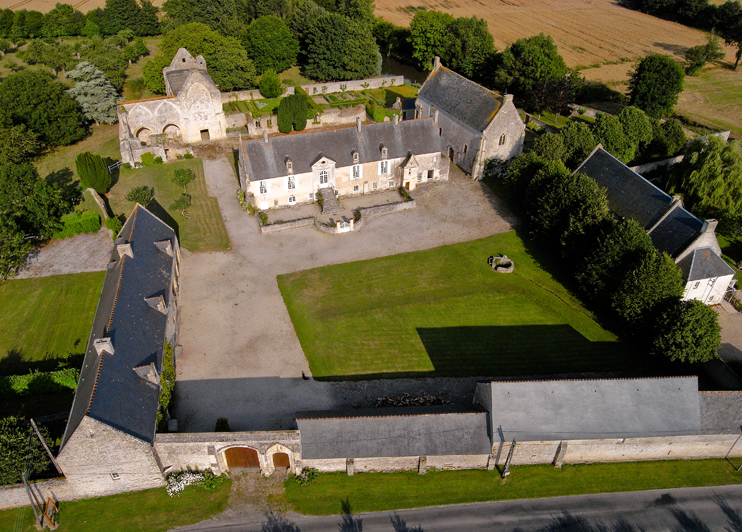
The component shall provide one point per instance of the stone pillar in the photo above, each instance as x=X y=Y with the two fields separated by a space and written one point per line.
x=352 y=220
x=491 y=462
x=422 y=465
x=350 y=466
x=561 y=451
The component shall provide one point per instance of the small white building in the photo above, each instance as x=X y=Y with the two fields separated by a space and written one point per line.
x=708 y=278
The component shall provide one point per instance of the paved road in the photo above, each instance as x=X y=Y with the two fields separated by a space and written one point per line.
x=717 y=509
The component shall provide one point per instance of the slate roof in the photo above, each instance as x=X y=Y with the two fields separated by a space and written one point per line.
x=176 y=79
x=704 y=263
x=676 y=231
x=721 y=412
x=594 y=409
x=266 y=161
x=461 y=98
x=629 y=194
x=109 y=390
x=405 y=431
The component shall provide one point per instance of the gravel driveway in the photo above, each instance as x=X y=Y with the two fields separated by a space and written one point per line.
x=241 y=358
x=81 y=253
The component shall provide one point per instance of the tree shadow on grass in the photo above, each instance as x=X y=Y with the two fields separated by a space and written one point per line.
x=15 y=363
x=63 y=179
x=349 y=523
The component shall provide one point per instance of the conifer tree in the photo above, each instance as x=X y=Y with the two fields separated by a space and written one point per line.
x=95 y=94
x=93 y=172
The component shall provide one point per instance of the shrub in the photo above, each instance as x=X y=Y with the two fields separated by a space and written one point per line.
x=142 y=195
x=183 y=176
x=78 y=222
x=270 y=84
x=688 y=331
x=250 y=209
x=306 y=478
x=167 y=381
x=93 y=172
x=38 y=383
x=188 y=155
x=148 y=159
x=222 y=425
x=114 y=224
x=15 y=455
x=263 y=218
x=182 y=203
x=292 y=112
x=405 y=194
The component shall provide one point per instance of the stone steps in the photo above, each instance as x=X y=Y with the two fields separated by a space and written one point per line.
x=330 y=203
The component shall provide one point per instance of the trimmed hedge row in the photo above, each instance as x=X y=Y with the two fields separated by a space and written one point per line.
x=38 y=383
x=78 y=222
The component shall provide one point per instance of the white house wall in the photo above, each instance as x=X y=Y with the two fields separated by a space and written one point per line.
x=709 y=291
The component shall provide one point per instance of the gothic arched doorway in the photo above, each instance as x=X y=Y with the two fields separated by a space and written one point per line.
x=242 y=458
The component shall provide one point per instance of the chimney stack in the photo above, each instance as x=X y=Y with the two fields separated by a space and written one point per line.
x=358 y=123
x=103 y=345
x=508 y=98
x=435 y=117
x=709 y=226
x=436 y=63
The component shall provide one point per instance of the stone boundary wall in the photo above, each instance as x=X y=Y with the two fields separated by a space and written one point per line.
x=325 y=228
x=389 y=208
x=330 y=87
x=642 y=168
x=282 y=226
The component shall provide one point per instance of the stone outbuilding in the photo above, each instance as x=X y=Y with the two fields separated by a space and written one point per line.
x=290 y=169
x=475 y=123
x=108 y=442
x=190 y=112
x=690 y=241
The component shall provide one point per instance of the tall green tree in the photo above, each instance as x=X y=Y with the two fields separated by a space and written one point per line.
x=149 y=23
x=96 y=96
x=304 y=17
x=93 y=172
x=218 y=15
x=609 y=132
x=108 y=57
x=579 y=142
x=651 y=281
x=698 y=56
x=292 y=113
x=226 y=58
x=121 y=15
x=529 y=62
x=550 y=146
x=270 y=44
x=56 y=56
x=17 y=144
x=62 y=20
x=6 y=22
x=429 y=36
x=270 y=84
x=730 y=27
x=687 y=331
x=656 y=84
x=360 y=11
x=341 y=49
x=471 y=46
x=15 y=453
x=34 y=98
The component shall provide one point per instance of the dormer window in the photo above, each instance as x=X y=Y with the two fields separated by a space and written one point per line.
x=289 y=166
x=355 y=157
x=383 y=151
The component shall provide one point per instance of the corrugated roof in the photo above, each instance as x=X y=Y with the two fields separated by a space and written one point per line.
x=414 y=431
x=461 y=98
x=629 y=194
x=109 y=390
x=594 y=409
x=266 y=161
x=704 y=263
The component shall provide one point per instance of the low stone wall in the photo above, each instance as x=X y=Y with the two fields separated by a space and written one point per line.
x=397 y=463
x=282 y=226
x=99 y=201
x=325 y=228
x=236 y=120
x=389 y=208
x=657 y=164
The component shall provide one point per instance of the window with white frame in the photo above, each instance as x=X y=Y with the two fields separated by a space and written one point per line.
x=355 y=156
x=264 y=187
x=391 y=184
x=292 y=200
x=291 y=185
x=503 y=139
x=375 y=185
x=355 y=188
x=383 y=167
x=323 y=177
x=419 y=176
x=356 y=172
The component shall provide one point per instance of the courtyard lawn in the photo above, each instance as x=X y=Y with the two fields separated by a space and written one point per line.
x=374 y=492
x=713 y=98
x=46 y=318
x=444 y=312
x=150 y=510
x=203 y=230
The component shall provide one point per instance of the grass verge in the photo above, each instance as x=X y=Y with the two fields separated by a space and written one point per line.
x=374 y=492
x=203 y=230
x=46 y=318
x=150 y=510
x=731 y=251
x=444 y=312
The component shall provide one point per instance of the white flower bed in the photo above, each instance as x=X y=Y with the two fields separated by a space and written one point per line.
x=177 y=482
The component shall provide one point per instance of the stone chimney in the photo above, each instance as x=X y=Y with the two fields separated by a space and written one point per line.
x=265 y=137
x=435 y=117
x=358 y=123
x=103 y=345
x=124 y=249
x=508 y=98
x=436 y=63
x=709 y=226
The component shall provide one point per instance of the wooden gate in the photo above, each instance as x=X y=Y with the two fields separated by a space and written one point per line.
x=281 y=460
x=242 y=458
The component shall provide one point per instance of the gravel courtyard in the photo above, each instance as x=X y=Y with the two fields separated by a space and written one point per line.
x=241 y=358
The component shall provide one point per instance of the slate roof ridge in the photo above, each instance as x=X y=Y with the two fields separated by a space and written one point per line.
x=478 y=85
x=116 y=296
x=145 y=209
x=597 y=380
x=95 y=384
x=600 y=147
x=385 y=412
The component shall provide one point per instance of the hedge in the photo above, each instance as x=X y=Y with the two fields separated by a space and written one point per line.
x=12 y=386
x=78 y=222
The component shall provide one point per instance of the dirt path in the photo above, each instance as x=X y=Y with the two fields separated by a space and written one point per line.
x=241 y=356
x=81 y=253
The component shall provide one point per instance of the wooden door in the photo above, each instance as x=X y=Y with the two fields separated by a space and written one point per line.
x=281 y=461
x=407 y=185
x=242 y=458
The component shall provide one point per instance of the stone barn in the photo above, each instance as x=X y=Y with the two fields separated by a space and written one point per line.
x=108 y=444
x=475 y=123
x=190 y=112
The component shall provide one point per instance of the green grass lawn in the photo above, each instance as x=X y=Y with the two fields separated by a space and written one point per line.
x=149 y=510
x=203 y=231
x=373 y=492
x=444 y=312
x=731 y=251
x=46 y=318
x=714 y=98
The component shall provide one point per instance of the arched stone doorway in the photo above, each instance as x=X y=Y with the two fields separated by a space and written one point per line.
x=242 y=458
x=281 y=461
x=172 y=131
x=451 y=154
x=143 y=136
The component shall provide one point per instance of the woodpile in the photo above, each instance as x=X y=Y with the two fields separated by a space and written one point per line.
x=405 y=399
